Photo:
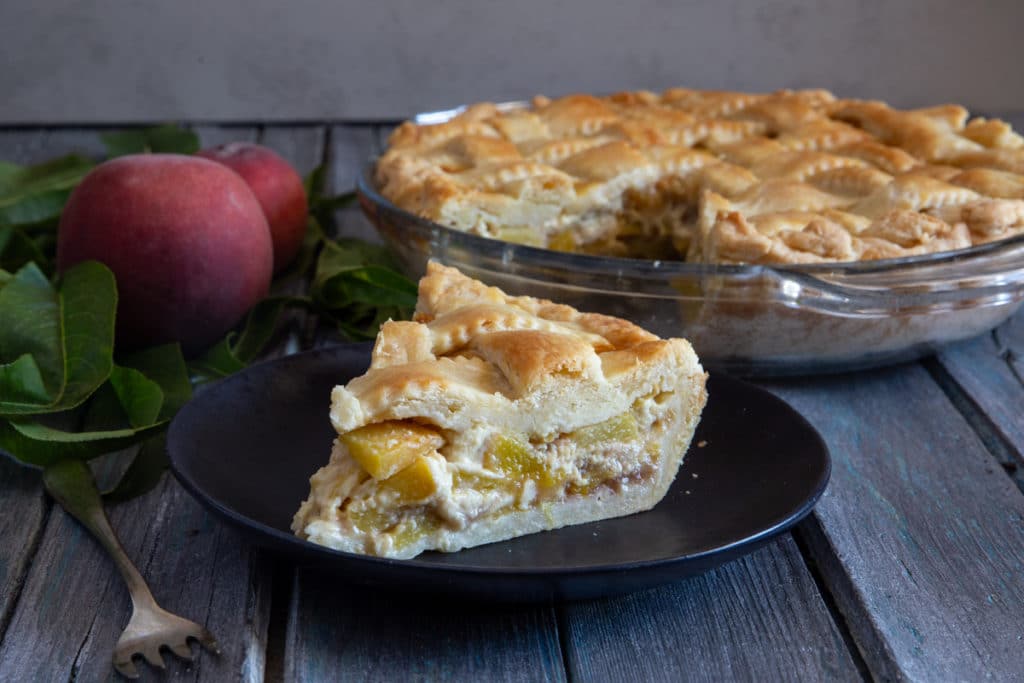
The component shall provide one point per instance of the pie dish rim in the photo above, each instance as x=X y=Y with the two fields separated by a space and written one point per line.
x=942 y=297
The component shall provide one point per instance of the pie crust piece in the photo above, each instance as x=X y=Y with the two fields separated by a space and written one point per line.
x=715 y=177
x=491 y=416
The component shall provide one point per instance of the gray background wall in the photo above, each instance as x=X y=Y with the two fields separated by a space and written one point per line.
x=149 y=60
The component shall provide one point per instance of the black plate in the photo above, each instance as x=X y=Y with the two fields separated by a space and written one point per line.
x=247 y=446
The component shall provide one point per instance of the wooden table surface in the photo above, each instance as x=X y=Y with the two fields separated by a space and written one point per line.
x=911 y=566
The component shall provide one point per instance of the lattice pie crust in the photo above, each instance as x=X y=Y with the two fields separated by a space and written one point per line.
x=715 y=177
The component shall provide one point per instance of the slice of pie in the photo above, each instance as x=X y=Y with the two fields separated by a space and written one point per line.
x=715 y=177
x=492 y=416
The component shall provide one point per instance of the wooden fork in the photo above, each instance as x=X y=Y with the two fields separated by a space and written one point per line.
x=151 y=627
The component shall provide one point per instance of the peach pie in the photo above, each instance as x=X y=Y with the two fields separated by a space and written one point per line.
x=491 y=416
x=715 y=177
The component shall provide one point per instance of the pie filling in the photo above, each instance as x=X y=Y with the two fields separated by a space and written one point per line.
x=393 y=484
x=652 y=223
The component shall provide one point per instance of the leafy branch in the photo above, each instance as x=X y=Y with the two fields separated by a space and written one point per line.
x=65 y=390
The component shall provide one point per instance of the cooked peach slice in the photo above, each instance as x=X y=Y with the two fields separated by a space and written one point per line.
x=619 y=429
x=415 y=483
x=514 y=458
x=384 y=448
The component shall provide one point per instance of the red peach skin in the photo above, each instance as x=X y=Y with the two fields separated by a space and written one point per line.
x=278 y=188
x=185 y=238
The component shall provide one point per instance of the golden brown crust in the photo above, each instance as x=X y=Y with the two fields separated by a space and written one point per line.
x=636 y=172
x=510 y=345
x=477 y=367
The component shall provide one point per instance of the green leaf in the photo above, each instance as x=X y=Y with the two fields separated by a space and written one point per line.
x=18 y=249
x=140 y=397
x=37 y=444
x=361 y=323
x=34 y=208
x=21 y=380
x=358 y=284
x=302 y=264
x=136 y=403
x=356 y=272
x=354 y=253
x=239 y=348
x=259 y=328
x=143 y=474
x=103 y=411
x=69 y=332
x=7 y=169
x=323 y=206
x=313 y=183
x=88 y=302
x=331 y=204
x=167 y=139
x=173 y=139
x=63 y=173
x=374 y=285
x=71 y=483
x=217 y=361
x=30 y=315
x=165 y=366
x=145 y=387
x=32 y=198
x=125 y=142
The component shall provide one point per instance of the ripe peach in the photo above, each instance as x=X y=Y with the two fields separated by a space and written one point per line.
x=277 y=187
x=185 y=238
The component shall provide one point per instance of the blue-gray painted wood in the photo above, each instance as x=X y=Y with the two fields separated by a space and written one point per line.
x=212 y=136
x=301 y=146
x=920 y=540
x=383 y=133
x=921 y=533
x=25 y=509
x=990 y=371
x=353 y=633
x=759 y=618
x=351 y=147
x=74 y=603
x=33 y=146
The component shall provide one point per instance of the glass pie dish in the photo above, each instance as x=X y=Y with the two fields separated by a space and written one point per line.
x=743 y=319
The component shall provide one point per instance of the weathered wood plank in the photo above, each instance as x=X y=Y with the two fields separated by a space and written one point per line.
x=211 y=136
x=921 y=533
x=351 y=633
x=989 y=370
x=304 y=147
x=301 y=146
x=351 y=147
x=25 y=511
x=33 y=146
x=383 y=133
x=74 y=603
x=759 y=618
